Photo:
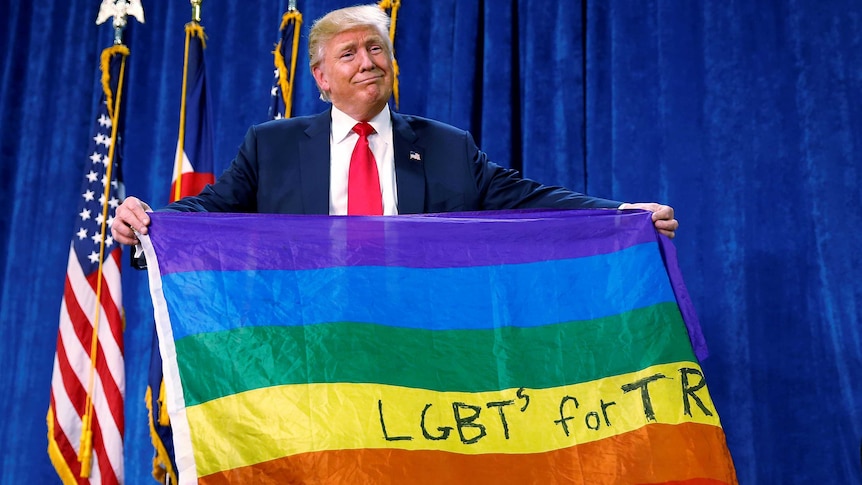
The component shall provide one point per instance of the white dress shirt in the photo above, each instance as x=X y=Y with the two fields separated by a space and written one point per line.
x=342 y=139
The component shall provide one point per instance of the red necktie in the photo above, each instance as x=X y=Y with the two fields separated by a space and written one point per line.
x=363 y=184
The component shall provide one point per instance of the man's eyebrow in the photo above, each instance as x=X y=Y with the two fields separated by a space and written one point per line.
x=346 y=46
x=352 y=44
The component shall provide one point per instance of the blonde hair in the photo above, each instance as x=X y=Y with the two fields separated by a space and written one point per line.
x=341 y=20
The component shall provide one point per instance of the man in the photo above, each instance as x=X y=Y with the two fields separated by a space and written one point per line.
x=359 y=157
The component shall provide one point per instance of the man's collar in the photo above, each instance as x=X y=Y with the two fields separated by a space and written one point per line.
x=342 y=124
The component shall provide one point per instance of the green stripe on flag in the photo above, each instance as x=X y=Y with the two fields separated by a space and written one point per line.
x=219 y=364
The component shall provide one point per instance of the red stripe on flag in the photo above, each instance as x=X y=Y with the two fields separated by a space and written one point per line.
x=100 y=453
x=66 y=449
x=109 y=304
x=74 y=390
x=193 y=183
x=84 y=330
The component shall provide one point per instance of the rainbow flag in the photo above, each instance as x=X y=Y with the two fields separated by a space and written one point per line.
x=476 y=348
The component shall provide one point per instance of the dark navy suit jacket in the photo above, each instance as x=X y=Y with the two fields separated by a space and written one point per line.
x=283 y=168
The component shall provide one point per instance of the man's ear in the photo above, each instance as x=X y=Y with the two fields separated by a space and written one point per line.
x=320 y=78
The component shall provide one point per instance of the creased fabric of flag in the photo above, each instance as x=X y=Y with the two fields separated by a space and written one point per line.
x=284 y=58
x=85 y=416
x=476 y=348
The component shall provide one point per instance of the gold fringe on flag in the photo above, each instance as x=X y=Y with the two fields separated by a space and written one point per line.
x=85 y=451
x=393 y=6
x=105 y=66
x=161 y=461
x=164 y=418
x=285 y=77
x=63 y=471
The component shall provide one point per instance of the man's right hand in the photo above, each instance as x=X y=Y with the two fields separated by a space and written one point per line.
x=130 y=216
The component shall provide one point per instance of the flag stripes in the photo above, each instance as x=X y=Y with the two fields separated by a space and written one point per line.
x=529 y=334
x=72 y=368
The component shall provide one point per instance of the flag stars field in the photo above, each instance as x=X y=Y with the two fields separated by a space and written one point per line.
x=101 y=139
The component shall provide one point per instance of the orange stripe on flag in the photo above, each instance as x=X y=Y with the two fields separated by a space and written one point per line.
x=690 y=454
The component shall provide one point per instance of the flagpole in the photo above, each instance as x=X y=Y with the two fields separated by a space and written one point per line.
x=120 y=10
x=196 y=10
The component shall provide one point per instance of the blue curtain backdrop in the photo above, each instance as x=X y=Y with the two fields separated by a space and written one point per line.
x=745 y=116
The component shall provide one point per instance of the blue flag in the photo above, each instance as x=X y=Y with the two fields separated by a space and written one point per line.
x=285 y=64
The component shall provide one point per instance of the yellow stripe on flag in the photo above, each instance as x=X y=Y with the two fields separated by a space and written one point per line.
x=265 y=424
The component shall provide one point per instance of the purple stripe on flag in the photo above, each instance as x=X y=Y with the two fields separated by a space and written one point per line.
x=194 y=242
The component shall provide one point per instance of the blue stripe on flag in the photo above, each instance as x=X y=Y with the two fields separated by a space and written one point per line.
x=448 y=298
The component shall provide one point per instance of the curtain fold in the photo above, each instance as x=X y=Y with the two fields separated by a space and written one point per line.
x=551 y=94
x=746 y=117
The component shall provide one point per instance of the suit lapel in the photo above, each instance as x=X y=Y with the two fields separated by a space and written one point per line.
x=409 y=168
x=314 y=165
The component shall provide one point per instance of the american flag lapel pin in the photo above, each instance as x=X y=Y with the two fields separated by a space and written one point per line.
x=415 y=156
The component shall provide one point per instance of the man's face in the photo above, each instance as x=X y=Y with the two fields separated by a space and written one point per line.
x=356 y=71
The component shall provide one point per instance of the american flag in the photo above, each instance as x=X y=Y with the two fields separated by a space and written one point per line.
x=285 y=54
x=85 y=417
